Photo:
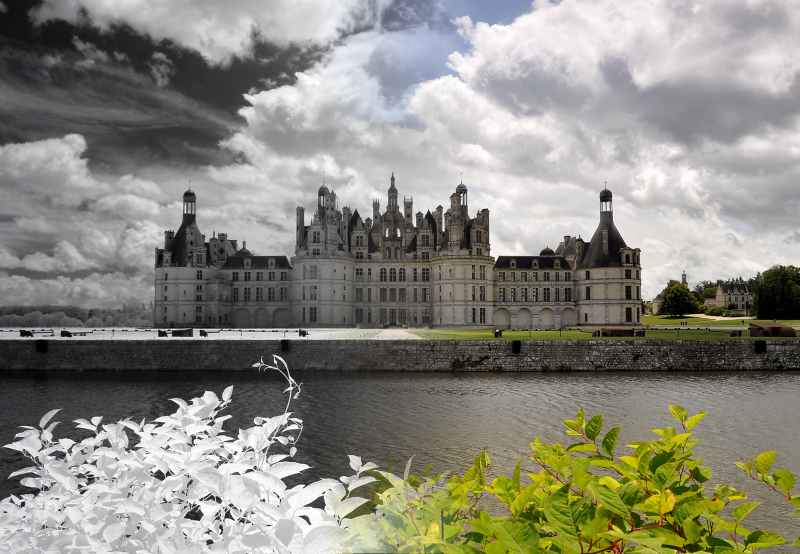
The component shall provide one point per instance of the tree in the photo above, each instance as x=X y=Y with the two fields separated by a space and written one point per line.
x=678 y=300
x=776 y=293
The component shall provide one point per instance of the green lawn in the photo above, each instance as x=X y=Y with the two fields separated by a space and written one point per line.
x=703 y=322
x=487 y=334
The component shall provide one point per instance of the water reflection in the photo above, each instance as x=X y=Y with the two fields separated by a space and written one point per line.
x=445 y=419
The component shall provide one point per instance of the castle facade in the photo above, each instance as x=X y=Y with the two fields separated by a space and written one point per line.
x=395 y=268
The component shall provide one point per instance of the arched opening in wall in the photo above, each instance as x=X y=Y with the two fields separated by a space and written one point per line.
x=396 y=253
x=568 y=317
x=262 y=318
x=502 y=319
x=388 y=253
x=547 y=319
x=524 y=319
x=241 y=318
x=282 y=317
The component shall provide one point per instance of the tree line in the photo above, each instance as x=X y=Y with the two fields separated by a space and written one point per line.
x=50 y=317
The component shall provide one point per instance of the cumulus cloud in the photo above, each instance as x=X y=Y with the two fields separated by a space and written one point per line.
x=161 y=68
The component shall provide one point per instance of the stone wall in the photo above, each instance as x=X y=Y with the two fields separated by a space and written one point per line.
x=372 y=355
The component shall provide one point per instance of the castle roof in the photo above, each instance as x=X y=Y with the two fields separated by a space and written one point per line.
x=257 y=262
x=734 y=288
x=595 y=255
x=526 y=262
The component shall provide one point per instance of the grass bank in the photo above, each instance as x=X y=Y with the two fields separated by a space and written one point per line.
x=650 y=334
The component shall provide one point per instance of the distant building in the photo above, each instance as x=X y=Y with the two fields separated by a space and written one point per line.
x=395 y=268
x=734 y=296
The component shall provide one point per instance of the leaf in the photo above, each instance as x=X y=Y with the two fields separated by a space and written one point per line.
x=226 y=394
x=47 y=417
x=580 y=419
x=582 y=447
x=784 y=479
x=764 y=461
x=559 y=514
x=610 y=441
x=689 y=508
x=516 y=534
x=580 y=464
x=660 y=503
x=113 y=532
x=631 y=493
x=571 y=425
x=763 y=539
x=609 y=499
x=524 y=498
x=694 y=420
x=702 y=474
x=515 y=476
x=594 y=427
x=679 y=413
x=740 y=512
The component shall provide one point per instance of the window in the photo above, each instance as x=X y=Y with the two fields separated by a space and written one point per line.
x=359 y=274
x=198 y=297
x=568 y=276
x=402 y=275
x=513 y=295
x=587 y=275
x=401 y=295
x=165 y=288
x=627 y=258
x=388 y=250
x=369 y=296
x=235 y=276
x=271 y=275
x=316 y=237
x=482 y=291
x=628 y=293
x=247 y=294
x=546 y=294
x=545 y=276
x=284 y=275
x=369 y=274
x=637 y=294
x=312 y=292
x=359 y=315
x=473 y=315
x=534 y=276
x=414 y=278
x=392 y=295
x=627 y=273
x=271 y=294
x=284 y=294
x=359 y=255
x=513 y=276
x=259 y=294
x=166 y=276
x=637 y=274
x=523 y=276
x=523 y=295
x=246 y=275
x=628 y=315
x=312 y=315
x=473 y=298
x=426 y=255
x=384 y=296
x=316 y=252
x=384 y=316
x=426 y=274
x=588 y=293
x=426 y=294
x=483 y=271
x=415 y=296
x=426 y=315
x=568 y=295
x=259 y=275
x=473 y=276
x=359 y=243
x=312 y=272
x=383 y=274
x=199 y=273
x=359 y=295
x=501 y=294
x=558 y=292
x=198 y=319
x=235 y=294
x=637 y=315
x=393 y=275
x=198 y=308
x=501 y=276
x=534 y=295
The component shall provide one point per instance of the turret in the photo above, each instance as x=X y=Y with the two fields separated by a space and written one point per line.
x=408 y=208
x=301 y=228
x=169 y=234
x=189 y=206
x=392 y=195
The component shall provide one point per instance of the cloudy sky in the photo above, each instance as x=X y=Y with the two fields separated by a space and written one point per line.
x=110 y=110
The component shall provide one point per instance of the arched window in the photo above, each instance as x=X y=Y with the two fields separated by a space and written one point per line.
x=393 y=275
x=398 y=232
x=383 y=274
x=397 y=253
x=388 y=253
x=402 y=274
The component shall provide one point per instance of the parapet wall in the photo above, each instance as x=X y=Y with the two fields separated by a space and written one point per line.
x=408 y=355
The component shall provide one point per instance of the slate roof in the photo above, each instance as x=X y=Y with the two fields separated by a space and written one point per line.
x=258 y=262
x=526 y=262
x=734 y=288
x=595 y=256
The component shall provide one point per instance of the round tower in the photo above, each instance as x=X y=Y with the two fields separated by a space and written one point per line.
x=189 y=206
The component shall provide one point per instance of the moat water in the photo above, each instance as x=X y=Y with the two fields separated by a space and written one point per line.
x=444 y=419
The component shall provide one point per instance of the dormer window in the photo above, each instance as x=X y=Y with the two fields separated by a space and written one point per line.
x=248 y=263
x=271 y=263
x=513 y=263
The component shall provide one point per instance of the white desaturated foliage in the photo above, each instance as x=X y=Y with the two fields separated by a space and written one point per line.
x=177 y=484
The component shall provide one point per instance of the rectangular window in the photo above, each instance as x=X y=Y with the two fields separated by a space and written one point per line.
x=482 y=291
x=401 y=295
x=637 y=315
x=369 y=295
x=369 y=274
x=199 y=273
x=473 y=315
x=587 y=275
x=259 y=294
x=568 y=276
x=501 y=276
x=284 y=294
x=384 y=316
x=637 y=294
x=383 y=297
x=473 y=297
x=545 y=276
x=568 y=295
x=359 y=274
x=271 y=275
x=359 y=296
x=534 y=295
x=627 y=273
x=392 y=295
x=534 y=276
x=369 y=316
x=558 y=294
x=415 y=274
x=415 y=296
x=198 y=297
x=483 y=271
x=284 y=275
x=304 y=315
x=426 y=315
x=557 y=276
x=523 y=276
x=247 y=294
x=628 y=295
x=483 y=315
x=523 y=295
x=588 y=293
x=198 y=308
x=546 y=294
x=312 y=315
x=198 y=319
x=627 y=258
x=426 y=274
x=359 y=315
x=235 y=276
x=637 y=274
x=473 y=276
x=313 y=292
x=513 y=276
x=501 y=294
x=629 y=315
x=235 y=294
x=513 y=295
x=259 y=275
x=426 y=295
x=271 y=294
x=312 y=273
x=246 y=275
